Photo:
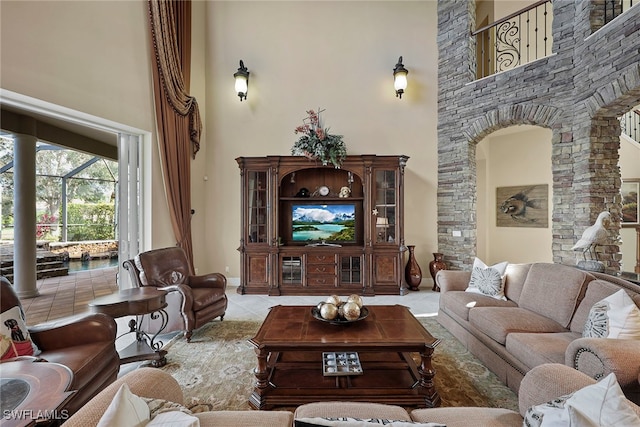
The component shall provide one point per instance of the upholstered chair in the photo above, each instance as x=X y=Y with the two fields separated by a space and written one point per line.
x=201 y=298
x=83 y=343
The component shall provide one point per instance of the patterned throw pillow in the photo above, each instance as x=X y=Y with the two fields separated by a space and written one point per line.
x=487 y=280
x=358 y=422
x=15 y=339
x=616 y=316
x=602 y=404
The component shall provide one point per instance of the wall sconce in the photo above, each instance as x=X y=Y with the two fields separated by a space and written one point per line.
x=400 y=78
x=242 y=81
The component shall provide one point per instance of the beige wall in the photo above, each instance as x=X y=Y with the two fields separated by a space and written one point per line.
x=519 y=155
x=338 y=56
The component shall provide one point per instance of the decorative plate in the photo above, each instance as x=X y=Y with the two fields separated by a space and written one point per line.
x=364 y=312
x=323 y=190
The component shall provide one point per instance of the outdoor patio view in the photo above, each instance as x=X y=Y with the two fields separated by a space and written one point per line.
x=75 y=207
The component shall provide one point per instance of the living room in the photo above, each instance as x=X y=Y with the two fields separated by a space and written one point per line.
x=94 y=57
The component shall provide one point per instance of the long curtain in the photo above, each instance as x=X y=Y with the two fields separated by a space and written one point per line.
x=177 y=116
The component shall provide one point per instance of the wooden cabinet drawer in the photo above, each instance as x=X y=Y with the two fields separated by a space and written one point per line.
x=321 y=269
x=321 y=280
x=321 y=259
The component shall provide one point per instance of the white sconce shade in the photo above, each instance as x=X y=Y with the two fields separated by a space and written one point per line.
x=242 y=81
x=400 y=78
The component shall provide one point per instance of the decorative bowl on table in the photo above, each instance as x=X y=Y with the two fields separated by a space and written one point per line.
x=336 y=311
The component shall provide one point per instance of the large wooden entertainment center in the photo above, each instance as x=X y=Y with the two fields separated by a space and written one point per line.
x=365 y=257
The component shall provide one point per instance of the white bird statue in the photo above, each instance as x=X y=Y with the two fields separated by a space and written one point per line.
x=593 y=236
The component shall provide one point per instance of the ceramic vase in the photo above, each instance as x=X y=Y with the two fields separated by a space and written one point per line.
x=436 y=265
x=412 y=272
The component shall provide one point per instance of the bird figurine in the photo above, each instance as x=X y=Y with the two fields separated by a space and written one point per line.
x=593 y=236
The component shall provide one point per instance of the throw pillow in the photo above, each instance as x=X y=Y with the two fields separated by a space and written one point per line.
x=166 y=413
x=174 y=419
x=487 y=280
x=616 y=316
x=125 y=410
x=15 y=339
x=358 y=422
x=599 y=405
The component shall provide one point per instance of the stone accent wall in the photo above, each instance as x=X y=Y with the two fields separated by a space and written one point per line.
x=578 y=92
x=92 y=249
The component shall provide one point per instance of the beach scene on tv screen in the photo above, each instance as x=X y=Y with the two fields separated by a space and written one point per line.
x=330 y=223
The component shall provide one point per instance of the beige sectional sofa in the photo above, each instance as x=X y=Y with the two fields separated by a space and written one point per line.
x=541 y=385
x=541 y=321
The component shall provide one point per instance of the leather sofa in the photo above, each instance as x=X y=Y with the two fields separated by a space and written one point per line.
x=85 y=344
x=541 y=321
x=542 y=384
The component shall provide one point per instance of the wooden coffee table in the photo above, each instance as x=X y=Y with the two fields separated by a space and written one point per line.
x=289 y=347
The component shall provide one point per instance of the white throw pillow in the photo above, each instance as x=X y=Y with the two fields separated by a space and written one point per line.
x=599 y=405
x=616 y=316
x=487 y=280
x=174 y=419
x=126 y=410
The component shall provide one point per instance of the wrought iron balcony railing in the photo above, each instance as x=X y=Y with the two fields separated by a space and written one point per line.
x=630 y=123
x=517 y=39
x=614 y=8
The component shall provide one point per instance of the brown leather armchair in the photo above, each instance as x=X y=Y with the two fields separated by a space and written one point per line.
x=83 y=343
x=202 y=298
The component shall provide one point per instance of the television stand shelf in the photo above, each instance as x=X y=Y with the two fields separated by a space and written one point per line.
x=299 y=237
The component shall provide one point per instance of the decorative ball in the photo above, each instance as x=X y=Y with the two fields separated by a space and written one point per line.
x=357 y=299
x=334 y=299
x=351 y=311
x=320 y=304
x=329 y=311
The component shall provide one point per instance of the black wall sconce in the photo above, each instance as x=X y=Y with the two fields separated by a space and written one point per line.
x=400 y=78
x=242 y=81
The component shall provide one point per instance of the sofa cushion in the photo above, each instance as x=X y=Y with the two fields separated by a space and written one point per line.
x=351 y=409
x=358 y=422
x=515 y=277
x=464 y=417
x=275 y=418
x=460 y=303
x=535 y=349
x=616 y=316
x=596 y=290
x=553 y=290
x=487 y=280
x=498 y=322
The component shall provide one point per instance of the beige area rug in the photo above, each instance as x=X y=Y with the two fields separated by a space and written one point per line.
x=215 y=370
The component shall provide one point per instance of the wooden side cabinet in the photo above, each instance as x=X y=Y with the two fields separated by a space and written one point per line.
x=309 y=229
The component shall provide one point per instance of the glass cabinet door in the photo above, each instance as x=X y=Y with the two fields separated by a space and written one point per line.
x=385 y=206
x=257 y=205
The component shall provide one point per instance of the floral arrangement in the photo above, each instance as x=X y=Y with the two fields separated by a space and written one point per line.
x=317 y=144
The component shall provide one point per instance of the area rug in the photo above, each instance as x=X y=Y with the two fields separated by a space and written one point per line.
x=215 y=370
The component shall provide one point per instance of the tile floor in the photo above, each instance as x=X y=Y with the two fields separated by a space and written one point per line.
x=69 y=295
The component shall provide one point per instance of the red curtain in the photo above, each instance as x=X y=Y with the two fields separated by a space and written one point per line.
x=178 y=121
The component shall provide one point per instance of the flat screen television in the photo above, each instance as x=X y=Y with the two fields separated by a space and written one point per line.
x=323 y=223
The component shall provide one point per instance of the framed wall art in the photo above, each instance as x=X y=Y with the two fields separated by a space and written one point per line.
x=630 y=211
x=523 y=206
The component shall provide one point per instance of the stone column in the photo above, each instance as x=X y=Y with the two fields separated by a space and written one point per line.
x=24 y=202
